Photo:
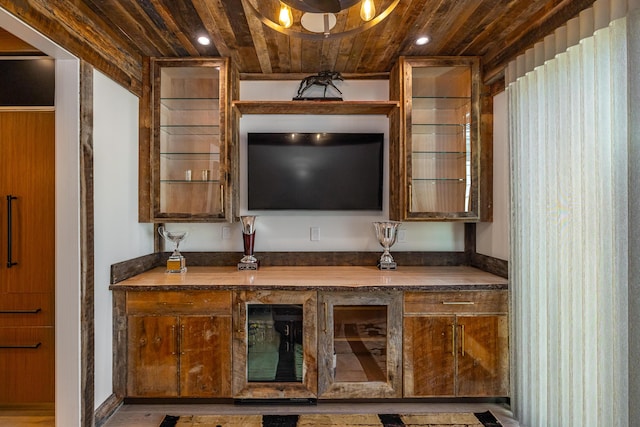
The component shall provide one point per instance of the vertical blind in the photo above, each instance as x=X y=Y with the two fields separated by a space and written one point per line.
x=569 y=133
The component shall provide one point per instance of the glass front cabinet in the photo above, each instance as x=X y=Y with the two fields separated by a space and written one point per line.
x=190 y=151
x=359 y=345
x=435 y=166
x=275 y=345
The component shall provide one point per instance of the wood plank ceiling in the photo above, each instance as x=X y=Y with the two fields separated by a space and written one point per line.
x=125 y=31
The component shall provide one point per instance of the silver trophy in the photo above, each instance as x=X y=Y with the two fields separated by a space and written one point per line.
x=248 y=261
x=386 y=232
x=176 y=262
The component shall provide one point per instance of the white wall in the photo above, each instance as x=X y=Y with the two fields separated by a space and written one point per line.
x=492 y=238
x=290 y=231
x=117 y=234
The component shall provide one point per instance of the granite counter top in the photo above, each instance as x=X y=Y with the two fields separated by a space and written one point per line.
x=315 y=277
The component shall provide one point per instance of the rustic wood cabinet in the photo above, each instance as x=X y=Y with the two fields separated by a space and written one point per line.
x=436 y=165
x=348 y=332
x=189 y=176
x=360 y=341
x=456 y=344
x=27 y=252
x=179 y=344
x=271 y=326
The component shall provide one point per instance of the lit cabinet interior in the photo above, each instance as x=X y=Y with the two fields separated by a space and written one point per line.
x=435 y=167
x=190 y=152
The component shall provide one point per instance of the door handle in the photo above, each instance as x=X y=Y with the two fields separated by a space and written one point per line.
x=33 y=346
x=10 y=262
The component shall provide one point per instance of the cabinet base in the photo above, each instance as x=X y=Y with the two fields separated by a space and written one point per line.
x=291 y=401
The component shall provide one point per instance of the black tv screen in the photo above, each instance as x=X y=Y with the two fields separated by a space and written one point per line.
x=315 y=171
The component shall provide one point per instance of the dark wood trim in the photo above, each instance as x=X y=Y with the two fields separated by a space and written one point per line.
x=107 y=409
x=126 y=269
x=87 y=320
x=490 y=264
x=300 y=76
x=120 y=337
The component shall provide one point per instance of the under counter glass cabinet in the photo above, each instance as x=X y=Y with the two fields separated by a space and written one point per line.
x=275 y=346
x=191 y=148
x=435 y=167
x=359 y=345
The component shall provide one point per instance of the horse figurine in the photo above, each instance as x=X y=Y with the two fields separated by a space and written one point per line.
x=323 y=78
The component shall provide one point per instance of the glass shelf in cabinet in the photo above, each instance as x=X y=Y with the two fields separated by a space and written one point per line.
x=440 y=102
x=439 y=128
x=441 y=154
x=436 y=180
x=191 y=103
x=189 y=182
x=191 y=129
x=190 y=156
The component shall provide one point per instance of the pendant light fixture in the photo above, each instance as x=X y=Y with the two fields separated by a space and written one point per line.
x=319 y=17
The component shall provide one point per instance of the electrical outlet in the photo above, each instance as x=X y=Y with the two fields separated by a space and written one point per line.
x=314 y=234
x=226 y=233
x=402 y=236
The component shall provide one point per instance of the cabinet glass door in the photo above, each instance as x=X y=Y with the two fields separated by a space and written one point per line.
x=440 y=140
x=359 y=345
x=275 y=344
x=191 y=182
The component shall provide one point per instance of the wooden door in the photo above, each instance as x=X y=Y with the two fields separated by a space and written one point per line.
x=27 y=255
x=483 y=356
x=205 y=356
x=153 y=356
x=429 y=356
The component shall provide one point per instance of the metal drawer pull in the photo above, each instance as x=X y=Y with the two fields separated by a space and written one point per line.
x=10 y=262
x=458 y=302
x=34 y=346
x=36 y=311
x=462 y=338
x=453 y=340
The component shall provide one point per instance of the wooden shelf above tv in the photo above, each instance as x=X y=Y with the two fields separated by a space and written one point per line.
x=316 y=107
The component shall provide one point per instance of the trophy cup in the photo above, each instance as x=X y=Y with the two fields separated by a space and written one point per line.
x=176 y=262
x=386 y=233
x=248 y=261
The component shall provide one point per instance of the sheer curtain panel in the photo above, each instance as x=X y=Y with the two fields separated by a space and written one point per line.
x=573 y=104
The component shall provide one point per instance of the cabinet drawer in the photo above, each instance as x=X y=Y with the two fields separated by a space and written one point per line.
x=27 y=368
x=456 y=302
x=179 y=302
x=26 y=309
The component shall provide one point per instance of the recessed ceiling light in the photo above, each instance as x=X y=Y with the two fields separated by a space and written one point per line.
x=422 y=40
x=204 y=40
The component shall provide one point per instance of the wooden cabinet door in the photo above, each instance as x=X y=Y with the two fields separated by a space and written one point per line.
x=153 y=356
x=27 y=141
x=429 y=356
x=205 y=356
x=483 y=356
x=27 y=255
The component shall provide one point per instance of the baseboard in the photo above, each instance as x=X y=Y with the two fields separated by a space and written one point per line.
x=107 y=409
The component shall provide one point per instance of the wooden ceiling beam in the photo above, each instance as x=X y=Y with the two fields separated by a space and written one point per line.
x=79 y=30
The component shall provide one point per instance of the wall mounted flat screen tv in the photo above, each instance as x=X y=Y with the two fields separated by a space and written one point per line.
x=315 y=171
